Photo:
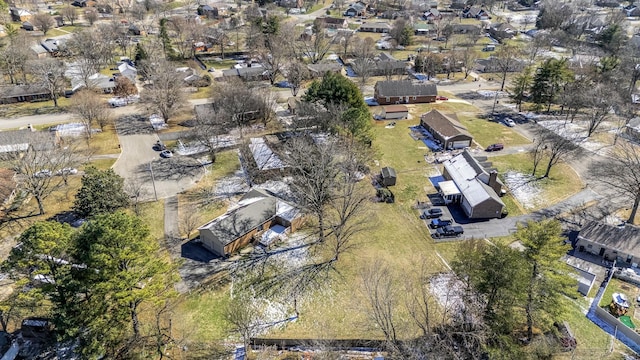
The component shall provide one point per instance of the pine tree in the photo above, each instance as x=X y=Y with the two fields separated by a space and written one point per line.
x=102 y=191
x=521 y=86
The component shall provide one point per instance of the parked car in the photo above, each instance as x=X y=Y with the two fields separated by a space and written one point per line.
x=448 y=231
x=509 y=122
x=495 y=147
x=159 y=146
x=43 y=173
x=166 y=154
x=431 y=214
x=67 y=171
x=442 y=98
x=283 y=84
x=438 y=223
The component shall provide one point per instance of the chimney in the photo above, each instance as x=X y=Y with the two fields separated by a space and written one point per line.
x=493 y=181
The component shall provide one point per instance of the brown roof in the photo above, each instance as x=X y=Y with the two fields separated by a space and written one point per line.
x=332 y=20
x=445 y=125
x=395 y=108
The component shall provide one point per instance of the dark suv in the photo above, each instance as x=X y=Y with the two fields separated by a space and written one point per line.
x=438 y=223
x=448 y=231
x=431 y=214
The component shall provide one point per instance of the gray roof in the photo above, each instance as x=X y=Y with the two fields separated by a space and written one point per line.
x=624 y=239
x=244 y=72
x=255 y=208
x=264 y=157
x=634 y=123
x=471 y=179
x=128 y=71
x=405 y=88
x=324 y=67
x=384 y=56
x=376 y=25
x=11 y=91
x=388 y=172
x=445 y=125
x=19 y=140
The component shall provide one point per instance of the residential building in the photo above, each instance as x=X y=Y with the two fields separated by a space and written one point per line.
x=16 y=141
x=23 y=93
x=249 y=73
x=356 y=9
x=128 y=71
x=446 y=129
x=432 y=15
x=96 y=81
x=331 y=22
x=492 y=65
x=611 y=242
x=318 y=70
x=391 y=112
x=258 y=215
x=19 y=15
x=631 y=10
x=502 y=31
x=478 y=188
x=404 y=92
x=475 y=12
x=208 y=11
x=376 y=27
x=632 y=129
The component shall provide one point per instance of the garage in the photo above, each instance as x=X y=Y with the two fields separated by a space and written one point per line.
x=447 y=129
x=395 y=112
x=461 y=144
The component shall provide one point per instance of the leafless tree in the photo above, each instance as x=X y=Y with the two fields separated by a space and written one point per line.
x=92 y=49
x=296 y=73
x=14 y=57
x=39 y=164
x=190 y=219
x=601 y=99
x=506 y=58
x=137 y=192
x=243 y=316
x=43 y=21
x=556 y=146
x=314 y=47
x=90 y=109
x=49 y=73
x=184 y=35
x=380 y=291
x=621 y=171
x=363 y=63
x=91 y=15
x=241 y=104
x=468 y=58
x=164 y=95
x=69 y=13
x=124 y=87
x=419 y=302
x=274 y=54
x=209 y=126
x=346 y=40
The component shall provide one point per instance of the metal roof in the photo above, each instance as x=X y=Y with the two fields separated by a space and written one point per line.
x=463 y=171
x=624 y=239
x=405 y=88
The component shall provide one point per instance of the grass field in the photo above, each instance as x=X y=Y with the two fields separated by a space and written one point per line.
x=34 y=108
x=487 y=132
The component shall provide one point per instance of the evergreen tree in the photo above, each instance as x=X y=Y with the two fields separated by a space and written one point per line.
x=141 y=54
x=521 y=86
x=548 y=81
x=102 y=191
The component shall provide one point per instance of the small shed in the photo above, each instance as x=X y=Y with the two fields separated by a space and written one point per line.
x=388 y=175
x=390 y=112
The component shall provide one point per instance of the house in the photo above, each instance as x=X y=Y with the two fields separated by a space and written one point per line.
x=53 y=47
x=611 y=242
x=465 y=29
x=404 y=92
x=391 y=112
x=475 y=12
x=446 y=129
x=389 y=67
x=249 y=73
x=501 y=31
x=632 y=129
x=134 y=30
x=356 y=9
x=16 y=141
x=59 y=20
x=318 y=70
x=83 y=3
x=95 y=81
x=376 y=27
x=22 y=93
x=128 y=71
x=328 y=22
x=478 y=188
x=423 y=29
x=432 y=15
x=208 y=11
x=388 y=175
x=608 y=3
x=39 y=51
x=257 y=212
x=8 y=187
x=492 y=65
x=631 y=10
x=19 y=15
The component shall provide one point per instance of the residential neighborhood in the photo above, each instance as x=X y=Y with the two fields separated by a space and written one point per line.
x=439 y=179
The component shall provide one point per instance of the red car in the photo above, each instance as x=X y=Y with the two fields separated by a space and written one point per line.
x=442 y=98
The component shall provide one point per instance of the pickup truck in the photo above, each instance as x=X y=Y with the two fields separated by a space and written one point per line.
x=448 y=231
x=431 y=214
x=438 y=223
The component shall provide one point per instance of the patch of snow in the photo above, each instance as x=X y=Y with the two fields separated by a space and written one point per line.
x=578 y=132
x=448 y=290
x=231 y=185
x=492 y=93
x=524 y=188
x=157 y=122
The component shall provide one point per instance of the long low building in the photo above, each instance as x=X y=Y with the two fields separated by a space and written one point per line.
x=404 y=92
x=478 y=188
x=446 y=129
x=611 y=242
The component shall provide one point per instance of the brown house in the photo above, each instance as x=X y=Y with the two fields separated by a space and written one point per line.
x=257 y=217
x=404 y=92
x=23 y=93
x=446 y=129
x=477 y=187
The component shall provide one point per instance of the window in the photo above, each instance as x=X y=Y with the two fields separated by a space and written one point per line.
x=260 y=227
x=388 y=99
x=589 y=246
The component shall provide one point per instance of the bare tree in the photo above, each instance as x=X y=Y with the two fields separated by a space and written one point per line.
x=90 y=109
x=137 y=192
x=69 y=13
x=164 y=95
x=190 y=219
x=506 y=58
x=621 y=171
x=14 y=57
x=296 y=73
x=314 y=47
x=91 y=15
x=468 y=58
x=601 y=100
x=241 y=104
x=184 y=34
x=380 y=292
x=124 y=87
x=39 y=165
x=347 y=41
x=556 y=145
x=92 y=50
x=363 y=63
x=49 y=74
x=274 y=54
x=43 y=21
x=244 y=317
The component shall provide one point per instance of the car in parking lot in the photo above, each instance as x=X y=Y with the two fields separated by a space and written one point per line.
x=495 y=147
x=67 y=171
x=431 y=214
x=448 y=231
x=43 y=173
x=442 y=98
x=438 y=223
x=166 y=154
x=159 y=146
x=509 y=122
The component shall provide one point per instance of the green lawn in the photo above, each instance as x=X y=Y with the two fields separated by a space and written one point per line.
x=33 y=108
x=617 y=286
x=200 y=317
x=487 y=132
x=152 y=213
